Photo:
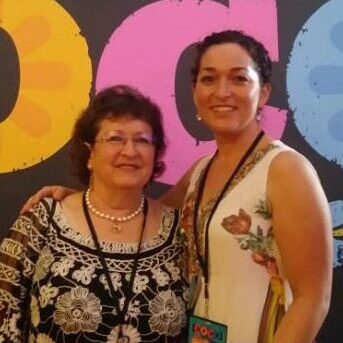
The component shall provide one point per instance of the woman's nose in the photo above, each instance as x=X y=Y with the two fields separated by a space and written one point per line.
x=129 y=148
x=223 y=89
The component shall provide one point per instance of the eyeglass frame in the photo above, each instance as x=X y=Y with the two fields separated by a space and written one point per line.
x=140 y=141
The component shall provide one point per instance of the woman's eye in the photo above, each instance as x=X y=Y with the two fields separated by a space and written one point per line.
x=143 y=141
x=240 y=79
x=207 y=79
x=115 y=139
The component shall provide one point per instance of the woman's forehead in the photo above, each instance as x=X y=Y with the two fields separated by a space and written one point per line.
x=124 y=124
x=226 y=55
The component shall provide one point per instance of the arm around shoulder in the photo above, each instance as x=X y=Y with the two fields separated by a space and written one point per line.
x=56 y=192
x=302 y=229
x=175 y=196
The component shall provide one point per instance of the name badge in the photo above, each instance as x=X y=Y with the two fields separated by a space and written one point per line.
x=202 y=330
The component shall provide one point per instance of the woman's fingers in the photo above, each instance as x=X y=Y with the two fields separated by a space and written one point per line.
x=56 y=192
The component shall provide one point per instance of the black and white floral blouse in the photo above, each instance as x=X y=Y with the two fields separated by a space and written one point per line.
x=53 y=289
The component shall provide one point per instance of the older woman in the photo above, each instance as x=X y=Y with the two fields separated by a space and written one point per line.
x=255 y=215
x=104 y=265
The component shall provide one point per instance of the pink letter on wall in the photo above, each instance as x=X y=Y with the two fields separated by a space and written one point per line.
x=143 y=52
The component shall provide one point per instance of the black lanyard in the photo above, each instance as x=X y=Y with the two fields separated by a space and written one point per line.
x=121 y=313
x=204 y=262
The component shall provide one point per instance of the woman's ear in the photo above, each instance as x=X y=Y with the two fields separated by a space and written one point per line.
x=89 y=163
x=266 y=90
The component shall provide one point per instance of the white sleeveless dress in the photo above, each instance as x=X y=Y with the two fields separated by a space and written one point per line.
x=247 y=289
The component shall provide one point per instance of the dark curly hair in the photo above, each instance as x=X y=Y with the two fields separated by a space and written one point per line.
x=254 y=48
x=113 y=103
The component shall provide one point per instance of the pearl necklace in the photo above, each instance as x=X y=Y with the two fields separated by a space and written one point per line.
x=115 y=227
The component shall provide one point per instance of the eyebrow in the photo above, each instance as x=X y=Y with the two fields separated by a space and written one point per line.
x=212 y=69
x=118 y=131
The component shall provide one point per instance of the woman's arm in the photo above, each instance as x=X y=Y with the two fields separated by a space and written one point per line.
x=302 y=228
x=175 y=196
x=55 y=192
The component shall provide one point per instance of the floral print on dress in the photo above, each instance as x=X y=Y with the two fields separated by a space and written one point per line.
x=43 y=338
x=173 y=270
x=60 y=287
x=249 y=227
x=253 y=238
x=13 y=322
x=187 y=214
x=35 y=316
x=84 y=275
x=130 y=335
x=168 y=313
x=47 y=293
x=115 y=278
x=161 y=277
x=237 y=225
x=63 y=266
x=192 y=263
x=43 y=264
x=134 y=309
x=78 y=310
x=140 y=283
x=9 y=327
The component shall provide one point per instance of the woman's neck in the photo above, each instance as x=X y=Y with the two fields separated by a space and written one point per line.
x=229 y=146
x=118 y=201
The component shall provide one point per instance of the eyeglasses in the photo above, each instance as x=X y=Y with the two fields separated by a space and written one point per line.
x=116 y=140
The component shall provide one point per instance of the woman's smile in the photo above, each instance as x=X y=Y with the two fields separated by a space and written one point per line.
x=223 y=108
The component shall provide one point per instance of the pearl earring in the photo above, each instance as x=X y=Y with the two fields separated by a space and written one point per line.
x=259 y=114
x=198 y=118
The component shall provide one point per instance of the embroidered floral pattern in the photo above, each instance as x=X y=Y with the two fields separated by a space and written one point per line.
x=47 y=293
x=9 y=327
x=188 y=235
x=130 y=335
x=63 y=266
x=173 y=270
x=140 y=283
x=43 y=338
x=115 y=278
x=35 y=317
x=161 y=277
x=78 y=310
x=13 y=323
x=68 y=290
x=43 y=264
x=84 y=275
x=168 y=313
x=133 y=310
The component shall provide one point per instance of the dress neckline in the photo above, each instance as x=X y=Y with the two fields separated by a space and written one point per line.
x=167 y=221
x=255 y=157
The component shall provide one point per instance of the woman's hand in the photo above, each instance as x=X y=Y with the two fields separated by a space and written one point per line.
x=56 y=192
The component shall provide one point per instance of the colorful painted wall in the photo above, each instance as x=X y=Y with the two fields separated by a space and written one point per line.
x=54 y=55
